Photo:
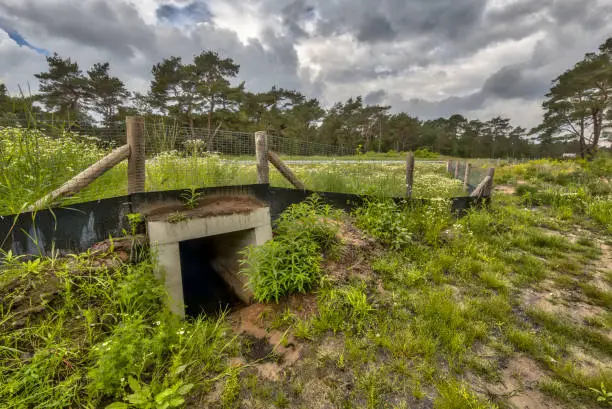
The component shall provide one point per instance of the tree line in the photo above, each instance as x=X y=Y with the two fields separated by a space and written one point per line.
x=206 y=93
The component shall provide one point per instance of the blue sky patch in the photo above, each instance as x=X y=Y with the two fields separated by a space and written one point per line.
x=22 y=42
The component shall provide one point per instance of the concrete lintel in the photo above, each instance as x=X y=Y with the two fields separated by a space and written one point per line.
x=162 y=232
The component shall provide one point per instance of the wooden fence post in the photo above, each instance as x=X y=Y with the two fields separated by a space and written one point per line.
x=409 y=174
x=489 y=187
x=448 y=166
x=466 y=176
x=284 y=170
x=457 y=170
x=261 y=152
x=137 y=159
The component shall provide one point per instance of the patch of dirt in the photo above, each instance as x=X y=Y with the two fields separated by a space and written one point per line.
x=589 y=364
x=331 y=348
x=213 y=205
x=258 y=348
x=519 y=384
x=26 y=298
x=265 y=344
x=113 y=253
x=317 y=393
x=352 y=237
x=254 y=321
x=562 y=302
x=603 y=267
x=505 y=189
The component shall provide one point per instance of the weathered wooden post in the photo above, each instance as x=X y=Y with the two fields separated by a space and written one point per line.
x=137 y=159
x=261 y=152
x=457 y=170
x=409 y=174
x=489 y=187
x=448 y=166
x=284 y=170
x=466 y=176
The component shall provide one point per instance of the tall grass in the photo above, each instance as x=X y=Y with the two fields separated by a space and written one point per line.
x=32 y=164
x=93 y=338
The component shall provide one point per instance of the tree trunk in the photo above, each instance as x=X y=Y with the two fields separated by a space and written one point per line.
x=582 y=144
x=210 y=137
x=597 y=125
x=191 y=126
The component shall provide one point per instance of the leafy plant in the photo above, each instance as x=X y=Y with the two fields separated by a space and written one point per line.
x=344 y=308
x=142 y=396
x=191 y=198
x=602 y=394
x=176 y=217
x=291 y=262
x=135 y=220
x=282 y=266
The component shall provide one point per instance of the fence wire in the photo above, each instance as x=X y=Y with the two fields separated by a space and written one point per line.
x=36 y=161
x=476 y=174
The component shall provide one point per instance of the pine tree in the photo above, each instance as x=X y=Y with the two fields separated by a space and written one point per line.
x=105 y=94
x=63 y=88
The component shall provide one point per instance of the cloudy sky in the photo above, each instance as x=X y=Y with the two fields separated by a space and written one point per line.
x=429 y=58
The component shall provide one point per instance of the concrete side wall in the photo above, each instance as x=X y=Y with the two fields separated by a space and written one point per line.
x=227 y=263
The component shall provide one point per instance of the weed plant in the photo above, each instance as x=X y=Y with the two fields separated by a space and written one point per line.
x=291 y=262
x=74 y=334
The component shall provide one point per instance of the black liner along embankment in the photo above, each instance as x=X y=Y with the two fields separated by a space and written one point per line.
x=77 y=227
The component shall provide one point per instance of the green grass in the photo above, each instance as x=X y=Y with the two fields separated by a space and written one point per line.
x=33 y=165
x=430 y=315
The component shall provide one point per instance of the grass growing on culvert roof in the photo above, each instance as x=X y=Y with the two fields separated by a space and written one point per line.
x=504 y=307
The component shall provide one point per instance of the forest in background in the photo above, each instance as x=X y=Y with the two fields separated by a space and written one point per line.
x=207 y=93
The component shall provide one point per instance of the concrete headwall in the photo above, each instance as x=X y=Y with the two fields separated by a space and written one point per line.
x=77 y=227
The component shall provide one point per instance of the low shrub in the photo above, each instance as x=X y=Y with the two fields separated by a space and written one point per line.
x=291 y=262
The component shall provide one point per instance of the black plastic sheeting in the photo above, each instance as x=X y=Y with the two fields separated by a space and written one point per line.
x=78 y=227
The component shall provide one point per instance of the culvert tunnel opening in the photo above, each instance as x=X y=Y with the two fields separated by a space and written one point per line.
x=210 y=273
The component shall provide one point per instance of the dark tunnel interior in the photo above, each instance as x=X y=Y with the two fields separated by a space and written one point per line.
x=204 y=291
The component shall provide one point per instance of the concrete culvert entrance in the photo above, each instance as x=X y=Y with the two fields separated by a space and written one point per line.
x=209 y=268
x=197 y=257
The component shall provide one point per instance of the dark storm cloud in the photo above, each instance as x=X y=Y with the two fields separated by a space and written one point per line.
x=436 y=109
x=375 y=28
x=440 y=18
x=393 y=41
x=515 y=82
x=196 y=11
x=294 y=15
x=115 y=32
x=116 y=27
x=375 y=97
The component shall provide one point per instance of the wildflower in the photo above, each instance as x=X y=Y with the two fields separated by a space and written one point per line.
x=158 y=323
x=180 y=331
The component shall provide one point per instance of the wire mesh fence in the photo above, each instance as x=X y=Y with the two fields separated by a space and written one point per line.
x=477 y=172
x=34 y=161
x=37 y=161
